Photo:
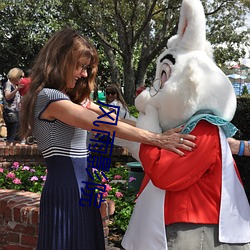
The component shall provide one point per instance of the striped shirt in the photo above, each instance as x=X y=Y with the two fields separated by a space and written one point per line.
x=55 y=137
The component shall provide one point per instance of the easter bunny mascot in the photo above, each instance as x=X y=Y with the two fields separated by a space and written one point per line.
x=196 y=201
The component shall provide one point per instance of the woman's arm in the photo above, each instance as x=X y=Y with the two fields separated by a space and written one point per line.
x=74 y=115
x=236 y=145
x=11 y=94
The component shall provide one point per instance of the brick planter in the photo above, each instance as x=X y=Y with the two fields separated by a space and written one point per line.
x=30 y=155
x=19 y=218
x=19 y=211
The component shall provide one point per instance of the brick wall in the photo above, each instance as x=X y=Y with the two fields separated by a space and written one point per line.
x=30 y=155
x=19 y=218
x=19 y=211
x=24 y=154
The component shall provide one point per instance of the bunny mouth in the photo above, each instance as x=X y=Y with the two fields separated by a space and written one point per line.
x=165 y=74
x=164 y=78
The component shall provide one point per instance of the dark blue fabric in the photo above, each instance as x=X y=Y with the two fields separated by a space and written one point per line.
x=12 y=128
x=64 y=224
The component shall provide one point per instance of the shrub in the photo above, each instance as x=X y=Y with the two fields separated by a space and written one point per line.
x=242 y=121
x=20 y=177
x=124 y=197
x=133 y=111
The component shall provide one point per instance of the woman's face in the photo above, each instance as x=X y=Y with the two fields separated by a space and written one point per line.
x=81 y=71
x=111 y=95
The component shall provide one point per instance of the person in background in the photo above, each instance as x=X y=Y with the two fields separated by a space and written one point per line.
x=1 y=100
x=11 y=105
x=62 y=78
x=114 y=97
x=25 y=82
x=1 y=89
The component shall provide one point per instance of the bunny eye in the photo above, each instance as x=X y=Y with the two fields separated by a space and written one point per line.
x=165 y=74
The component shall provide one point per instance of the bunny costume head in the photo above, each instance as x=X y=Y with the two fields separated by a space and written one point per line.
x=187 y=79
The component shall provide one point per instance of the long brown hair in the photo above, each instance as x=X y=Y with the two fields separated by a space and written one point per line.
x=54 y=68
x=119 y=96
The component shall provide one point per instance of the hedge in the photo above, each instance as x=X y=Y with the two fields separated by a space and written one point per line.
x=242 y=121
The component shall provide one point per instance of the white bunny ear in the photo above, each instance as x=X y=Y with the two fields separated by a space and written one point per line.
x=192 y=26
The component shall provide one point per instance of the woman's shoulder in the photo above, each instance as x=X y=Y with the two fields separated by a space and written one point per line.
x=52 y=94
x=8 y=86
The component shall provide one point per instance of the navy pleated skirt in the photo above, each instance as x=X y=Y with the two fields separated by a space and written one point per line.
x=64 y=223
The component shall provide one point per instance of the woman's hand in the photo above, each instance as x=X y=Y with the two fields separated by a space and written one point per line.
x=234 y=145
x=173 y=141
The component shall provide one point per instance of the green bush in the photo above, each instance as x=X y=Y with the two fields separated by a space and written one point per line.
x=133 y=111
x=20 y=177
x=244 y=90
x=242 y=121
x=124 y=197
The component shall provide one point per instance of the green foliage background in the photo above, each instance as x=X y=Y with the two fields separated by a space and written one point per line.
x=129 y=35
x=242 y=121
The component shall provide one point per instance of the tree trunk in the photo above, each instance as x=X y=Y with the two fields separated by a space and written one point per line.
x=141 y=74
x=129 y=81
x=114 y=71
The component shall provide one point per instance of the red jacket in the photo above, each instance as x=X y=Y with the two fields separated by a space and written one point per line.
x=192 y=182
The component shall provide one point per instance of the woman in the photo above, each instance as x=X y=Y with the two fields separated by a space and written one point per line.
x=62 y=78
x=11 y=104
x=114 y=97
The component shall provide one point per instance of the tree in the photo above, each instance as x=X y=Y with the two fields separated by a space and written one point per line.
x=129 y=34
x=134 y=32
x=25 y=26
x=246 y=3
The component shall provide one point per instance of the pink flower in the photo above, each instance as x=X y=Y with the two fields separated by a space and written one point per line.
x=1 y=170
x=131 y=179
x=11 y=175
x=118 y=194
x=15 y=165
x=117 y=177
x=104 y=180
x=108 y=187
x=43 y=178
x=34 y=178
x=105 y=194
x=32 y=170
x=93 y=170
x=26 y=168
x=17 y=181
